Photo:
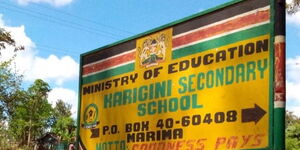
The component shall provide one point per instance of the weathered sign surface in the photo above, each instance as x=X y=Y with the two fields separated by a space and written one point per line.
x=204 y=82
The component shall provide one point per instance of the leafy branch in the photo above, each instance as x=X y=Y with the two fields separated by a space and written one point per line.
x=6 y=39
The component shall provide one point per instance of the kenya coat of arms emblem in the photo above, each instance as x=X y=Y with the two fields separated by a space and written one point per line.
x=153 y=50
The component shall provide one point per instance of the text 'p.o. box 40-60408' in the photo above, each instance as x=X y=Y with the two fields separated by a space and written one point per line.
x=202 y=83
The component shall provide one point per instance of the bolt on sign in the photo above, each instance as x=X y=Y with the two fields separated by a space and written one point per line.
x=202 y=83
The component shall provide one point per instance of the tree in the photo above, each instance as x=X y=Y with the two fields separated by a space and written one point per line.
x=39 y=108
x=10 y=81
x=64 y=124
x=32 y=117
x=293 y=7
x=10 y=86
x=292 y=131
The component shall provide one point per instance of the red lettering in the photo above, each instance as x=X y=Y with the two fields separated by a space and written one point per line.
x=200 y=144
x=190 y=144
x=170 y=146
x=220 y=141
x=232 y=142
x=161 y=145
x=178 y=145
x=246 y=139
x=258 y=139
x=135 y=147
x=152 y=146
x=144 y=147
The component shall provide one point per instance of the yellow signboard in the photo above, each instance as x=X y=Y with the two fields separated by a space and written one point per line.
x=176 y=89
x=207 y=100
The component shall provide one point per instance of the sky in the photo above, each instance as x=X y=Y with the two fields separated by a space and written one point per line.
x=56 y=32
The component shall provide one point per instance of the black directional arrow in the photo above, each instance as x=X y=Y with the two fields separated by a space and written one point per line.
x=252 y=114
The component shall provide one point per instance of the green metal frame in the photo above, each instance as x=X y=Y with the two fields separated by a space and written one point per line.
x=272 y=58
x=79 y=105
x=279 y=113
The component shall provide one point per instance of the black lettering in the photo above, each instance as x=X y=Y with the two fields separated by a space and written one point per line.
x=262 y=46
x=241 y=49
x=98 y=87
x=177 y=133
x=231 y=51
x=133 y=77
x=128 y=127
x=221 y=56
x=166 y=134
x=136 y=126
x=108 y=85
x=158 y=136
x=114 y=129
x=171 y=68
x=102 y=86
x=105 y=130
x=156 y=71
x=131 y=137
x=206 y=60
x=150 y=136
x=195 y=64
x=147 y=74
x=140 y=137
x=86 y=90
x=249 y=48
x=116 y=81
x=92 y=89
x=145 y=126
x=124 y=80
x=184 y=65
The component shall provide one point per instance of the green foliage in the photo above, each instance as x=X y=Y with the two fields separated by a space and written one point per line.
x=26 y=115
x=64 y=125
x=10 y=90
x=62 y=109
x=5 y=137
x=291 y=119
x=10 y=83
x=31 y=118
x=292 y=131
